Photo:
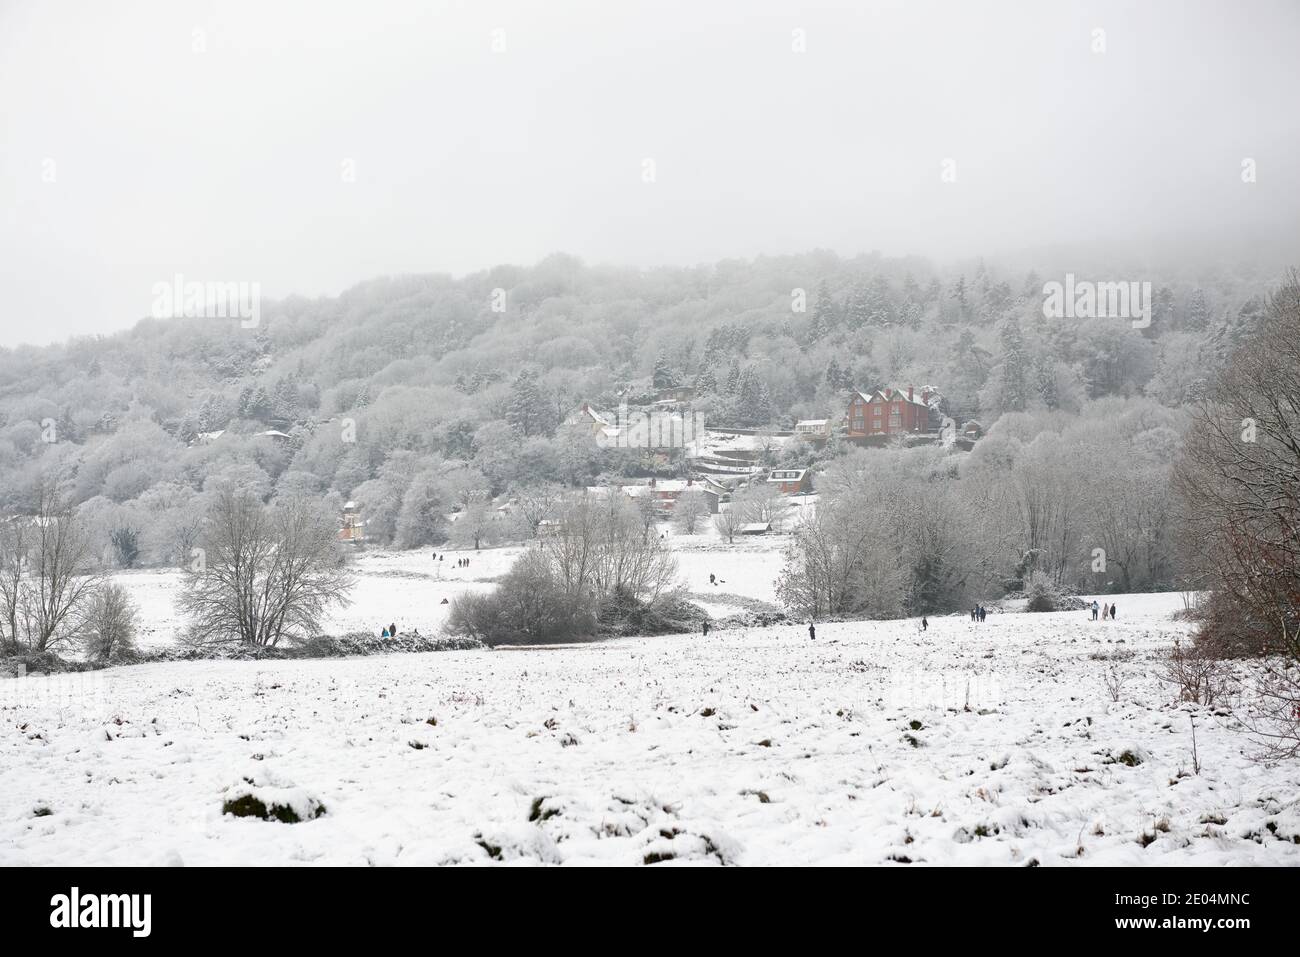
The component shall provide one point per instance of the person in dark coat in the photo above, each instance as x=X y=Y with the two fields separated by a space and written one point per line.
x=924 y=624
x=392 y=631
x=812 y=631
x=706 y=629
x=1112 y=612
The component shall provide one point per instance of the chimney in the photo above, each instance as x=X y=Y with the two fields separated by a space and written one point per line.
x=909 y=393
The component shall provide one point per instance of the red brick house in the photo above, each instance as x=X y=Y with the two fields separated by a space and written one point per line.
x=887 y=412
x=791 y=481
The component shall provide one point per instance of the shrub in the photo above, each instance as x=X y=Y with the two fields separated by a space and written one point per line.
x=1042 y=593
x=1198 y=675
x=109 y=625
x=530 y=606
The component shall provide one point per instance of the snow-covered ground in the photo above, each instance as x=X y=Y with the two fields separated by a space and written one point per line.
x=407 y=588
x=403 y=588
x=874 y=744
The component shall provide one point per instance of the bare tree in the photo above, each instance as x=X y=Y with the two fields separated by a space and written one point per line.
x=537 y=503
x=728 y=521
x=763 y=504
x=475 y=522
x=647 y=509
x=600 y=546
x=528 y=607
x=47 y=573
x=263 y=574
x=109 y=624
x=1239 y=483
x=689 y=511
x=13 y=562
x=841 y=562
x=597 y=568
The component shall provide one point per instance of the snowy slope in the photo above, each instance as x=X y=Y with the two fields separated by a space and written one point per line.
x=754 y=747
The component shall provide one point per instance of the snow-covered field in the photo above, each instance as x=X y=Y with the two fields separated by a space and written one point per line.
x=875 y=744
x=407 y=588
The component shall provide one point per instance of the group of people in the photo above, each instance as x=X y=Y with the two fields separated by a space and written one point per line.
x=389 y=632
x=1107 y=611
x=978 y=613
x=460 y=562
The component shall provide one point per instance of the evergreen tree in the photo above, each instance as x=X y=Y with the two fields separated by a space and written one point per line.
x=857 y=311
x=733 y=377
x=211 y=416
x=1162 y=312
x=824 y=318
x=664 y=377
x=284 y=400
x=525 y=409
x=961 y=295
x=1014 y=367
x=1198 y=312
x=1046 y=375
x=754 y=404
x=259 y=404
x=834 y=375
x=879 y=303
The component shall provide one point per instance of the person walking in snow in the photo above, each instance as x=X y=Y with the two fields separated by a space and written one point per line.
x=1112 y=612
x=983 y=613
x=1105 y=612
x=713 y=579
x=392 y=631
x=1094 y=609
x=974 y=613
x=924 y=624
x=384 y=633
x=706 y=629
x=812 y=631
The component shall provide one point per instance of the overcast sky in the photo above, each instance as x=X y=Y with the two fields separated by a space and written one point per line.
x=141 y=139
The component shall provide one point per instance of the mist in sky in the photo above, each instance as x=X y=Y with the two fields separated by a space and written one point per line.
x=307 y=146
